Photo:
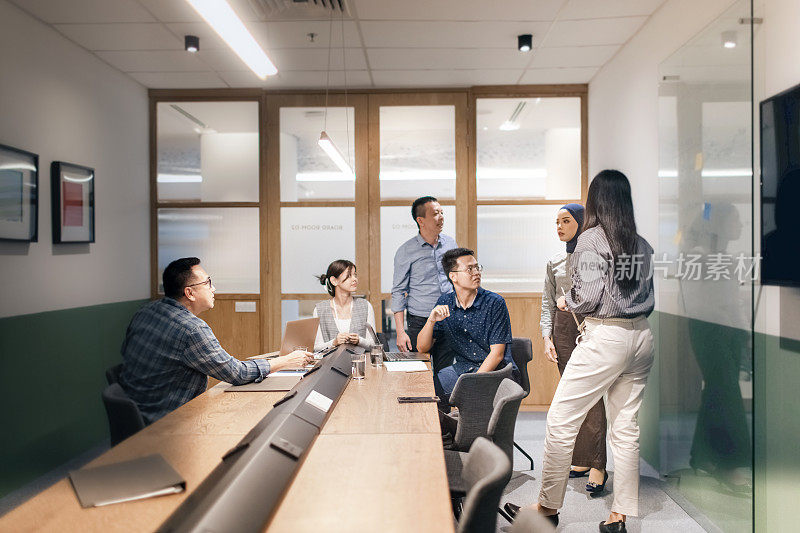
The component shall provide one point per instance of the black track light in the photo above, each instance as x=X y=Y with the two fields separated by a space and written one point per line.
x=191 y=43
x=524 y=42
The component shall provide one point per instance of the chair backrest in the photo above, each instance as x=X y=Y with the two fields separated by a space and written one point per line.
x=384 y=341
x=474 y=394
x=486 y=472
x=504 y=415
x=124 y=418
x=522 y=354
x=529 y=520
x=112 y=374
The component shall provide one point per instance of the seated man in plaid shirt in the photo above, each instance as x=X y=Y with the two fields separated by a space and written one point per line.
x=169 y=352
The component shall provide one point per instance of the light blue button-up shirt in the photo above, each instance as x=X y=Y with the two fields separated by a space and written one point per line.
x=419 y=277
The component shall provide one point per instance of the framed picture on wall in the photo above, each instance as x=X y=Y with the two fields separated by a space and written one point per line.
x=73 y=202
x=19 y=195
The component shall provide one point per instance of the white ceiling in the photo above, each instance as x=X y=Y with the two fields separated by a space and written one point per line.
x=388 y=43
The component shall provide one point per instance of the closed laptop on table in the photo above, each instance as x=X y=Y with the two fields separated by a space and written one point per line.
x=136 y=479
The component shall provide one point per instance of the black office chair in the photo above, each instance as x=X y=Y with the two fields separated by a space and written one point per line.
x=112 y=374
x=472 y=395
x=384 y=341
x=500 y=430
x=124 y=418
x=522 y=353
x=487 y=471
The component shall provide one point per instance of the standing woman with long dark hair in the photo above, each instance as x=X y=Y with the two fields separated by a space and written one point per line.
x=612 y=287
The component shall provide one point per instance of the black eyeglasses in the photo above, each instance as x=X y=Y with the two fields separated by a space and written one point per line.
x=471 y=269
x=206 y=282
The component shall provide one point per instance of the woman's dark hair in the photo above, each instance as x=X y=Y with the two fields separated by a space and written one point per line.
x=335 y=270
x=177 y=275
x=609 y=205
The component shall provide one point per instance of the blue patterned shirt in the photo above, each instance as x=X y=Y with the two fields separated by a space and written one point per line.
x=471 y=332
x=419 y=277
x=167 y=355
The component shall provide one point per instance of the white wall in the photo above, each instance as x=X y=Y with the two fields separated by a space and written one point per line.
x=777 y=57
x=61 y=102
x=623 y=103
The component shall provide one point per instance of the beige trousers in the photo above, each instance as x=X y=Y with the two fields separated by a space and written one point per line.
x=613 y=358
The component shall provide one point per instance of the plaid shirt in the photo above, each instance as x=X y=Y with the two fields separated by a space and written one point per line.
x=167 y=355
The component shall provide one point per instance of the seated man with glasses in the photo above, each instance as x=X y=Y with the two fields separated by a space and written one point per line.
x=168 y=351
x=472 y=320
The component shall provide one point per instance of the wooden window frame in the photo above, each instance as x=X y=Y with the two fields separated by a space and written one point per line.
x=367 y=201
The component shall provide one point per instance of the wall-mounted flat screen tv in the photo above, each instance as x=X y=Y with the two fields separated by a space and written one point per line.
x=780 y=188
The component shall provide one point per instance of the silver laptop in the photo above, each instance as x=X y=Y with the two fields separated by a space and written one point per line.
x=397 y=356
x=301 y=332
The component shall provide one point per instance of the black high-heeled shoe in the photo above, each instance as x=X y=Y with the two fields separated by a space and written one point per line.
x=512 y=511
x=594 y=488
x=613 y=527
x=578 y=473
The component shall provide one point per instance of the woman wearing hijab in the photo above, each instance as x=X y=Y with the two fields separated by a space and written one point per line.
x=560 y=332
x=612 y=287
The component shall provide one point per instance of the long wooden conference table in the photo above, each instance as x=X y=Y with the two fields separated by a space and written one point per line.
x=376 y=464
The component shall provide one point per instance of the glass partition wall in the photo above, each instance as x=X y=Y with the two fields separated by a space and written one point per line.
x=706 y=296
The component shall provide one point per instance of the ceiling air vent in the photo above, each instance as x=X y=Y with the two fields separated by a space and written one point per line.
x=299 y=9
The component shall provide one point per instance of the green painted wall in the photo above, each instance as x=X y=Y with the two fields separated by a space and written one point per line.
x=53 y=371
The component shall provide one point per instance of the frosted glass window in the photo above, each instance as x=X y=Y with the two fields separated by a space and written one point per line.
x=225 y=240
x=308 y=172
x=418 y=151
x=207 y=151
x=311 y=238
x=528 y=148
x=397 y=227
x=514 y=245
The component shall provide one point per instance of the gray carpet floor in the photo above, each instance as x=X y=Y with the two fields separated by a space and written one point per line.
x=581 y=512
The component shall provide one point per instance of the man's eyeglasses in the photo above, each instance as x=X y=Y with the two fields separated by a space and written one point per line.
x=206 y=282
x=471 y=269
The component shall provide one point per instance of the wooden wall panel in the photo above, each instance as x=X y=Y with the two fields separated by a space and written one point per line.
x=238 y=333
x=525 y=313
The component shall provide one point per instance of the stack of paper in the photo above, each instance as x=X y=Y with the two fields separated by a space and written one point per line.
x=406 y=366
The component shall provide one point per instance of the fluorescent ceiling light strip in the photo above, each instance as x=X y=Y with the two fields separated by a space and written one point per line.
x=728 y=173
x=180 y=178
x=336 y=156
x=412 y=175
x=711 y=173
x=324 y=176
x=511 y=173
x=223 y=20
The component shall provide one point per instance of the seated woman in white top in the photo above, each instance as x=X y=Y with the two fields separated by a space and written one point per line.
x=342 y=319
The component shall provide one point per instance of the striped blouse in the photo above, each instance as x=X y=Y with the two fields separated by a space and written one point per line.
x=595 y=292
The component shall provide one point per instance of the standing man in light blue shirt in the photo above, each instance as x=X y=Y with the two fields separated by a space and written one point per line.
x=419 y=278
